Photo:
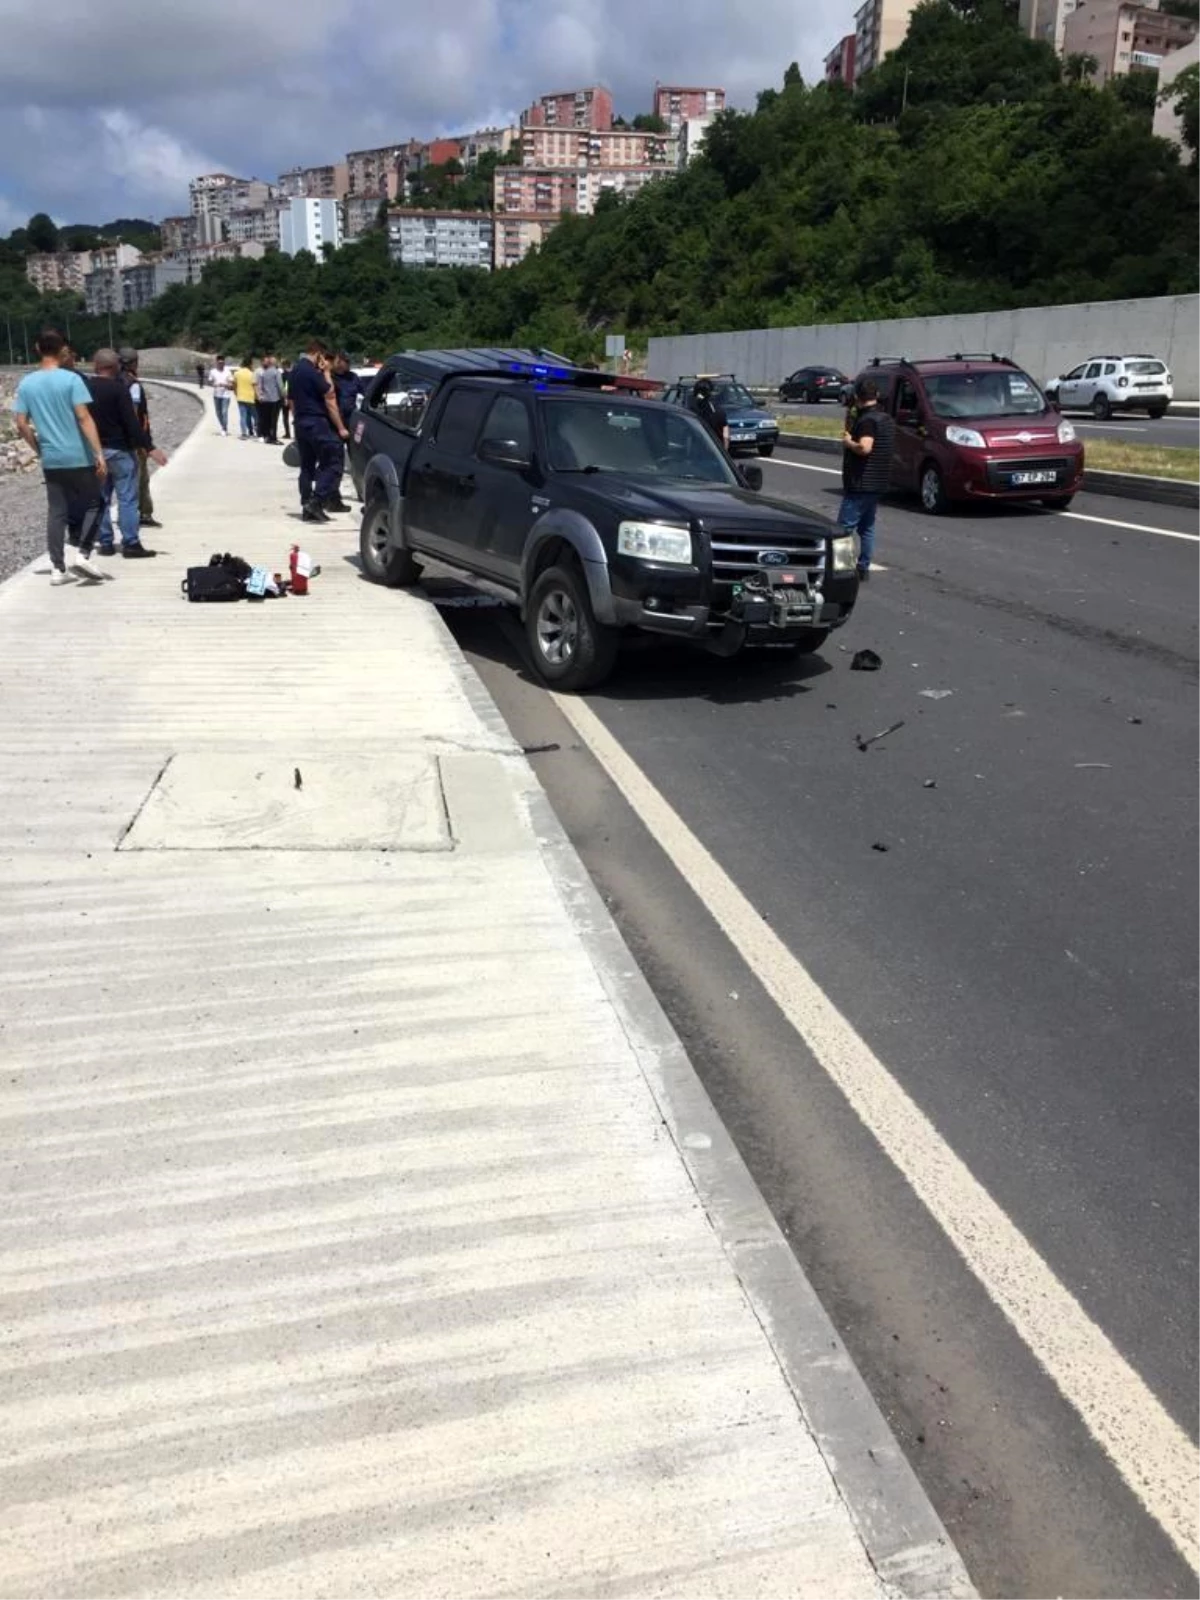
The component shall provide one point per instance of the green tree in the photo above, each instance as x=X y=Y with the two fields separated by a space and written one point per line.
x=1184 y=94
x=41 y=232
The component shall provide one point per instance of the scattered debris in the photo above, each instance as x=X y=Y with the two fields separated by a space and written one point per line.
x=1135 y=720
x=882 y=848
x=733 y=994
x=539 y=749
x=830 y=705
x=865 y=744
x=865 y=661
x=297 y=780
x=930 y=783
x=936 y=694
x=1083 y=766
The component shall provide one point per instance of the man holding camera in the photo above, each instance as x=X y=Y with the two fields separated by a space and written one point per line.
x=867 y=443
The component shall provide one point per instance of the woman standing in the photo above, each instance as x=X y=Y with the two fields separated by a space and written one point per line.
x=247 y=398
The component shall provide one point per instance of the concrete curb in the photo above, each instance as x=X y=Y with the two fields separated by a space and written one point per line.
x=1126 y=485
x=900 y=1530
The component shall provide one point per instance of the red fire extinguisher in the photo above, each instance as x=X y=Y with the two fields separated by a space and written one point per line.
x=300 y=565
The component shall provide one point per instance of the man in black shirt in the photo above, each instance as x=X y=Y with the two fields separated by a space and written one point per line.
x=122 y=436
x=702 y=403
x=137 y=393
x=866 y=466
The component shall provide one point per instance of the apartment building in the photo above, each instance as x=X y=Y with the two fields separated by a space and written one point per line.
x=177 y=234
x=1124 y=36
x=215 y=196
x=306 y=224
x=1046 y=20
x=194 y=258
x=360 y=212
x=152 y=276
x=376 y=171
x=596 y=147
x=486 y=141
x=517 y=235
x=571 y=108
x=256 y=224
x=676 y=106
x=839 y=63
x=441 y=238
x=103 y=291
x=879 y=26
x=330 y=182
x=58 y=271
x=1168 y=124
x=537 y=191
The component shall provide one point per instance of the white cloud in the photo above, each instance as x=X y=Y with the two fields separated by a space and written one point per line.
x=142 y=99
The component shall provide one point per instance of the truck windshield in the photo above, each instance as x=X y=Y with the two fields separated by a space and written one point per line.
x=984 y=394
x=646 y=440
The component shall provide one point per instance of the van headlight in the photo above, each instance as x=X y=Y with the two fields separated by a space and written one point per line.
x=967 y=436
x=655 y=541
x=1066 y=433
x=844 y=552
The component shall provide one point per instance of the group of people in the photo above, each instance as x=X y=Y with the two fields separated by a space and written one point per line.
x=318 y=393
x=260 y=394
x=867 y=443
x=93 y=439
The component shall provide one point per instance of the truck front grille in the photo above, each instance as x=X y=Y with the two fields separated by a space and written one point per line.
x=735 y=554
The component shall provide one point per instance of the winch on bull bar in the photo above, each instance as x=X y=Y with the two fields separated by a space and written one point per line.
x=776 y=597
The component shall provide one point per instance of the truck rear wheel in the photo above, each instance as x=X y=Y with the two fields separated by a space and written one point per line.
x=570 y=649
x=381 y=561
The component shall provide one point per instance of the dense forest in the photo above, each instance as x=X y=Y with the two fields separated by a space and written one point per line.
x=972 y=170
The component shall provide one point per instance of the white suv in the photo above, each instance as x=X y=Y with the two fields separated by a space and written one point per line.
x=1104 y=384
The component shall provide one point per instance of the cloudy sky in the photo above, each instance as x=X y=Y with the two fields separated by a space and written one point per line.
x=107 y=107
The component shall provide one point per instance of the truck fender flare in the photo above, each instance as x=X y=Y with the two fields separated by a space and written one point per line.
x=381 y=475
x=575 y=530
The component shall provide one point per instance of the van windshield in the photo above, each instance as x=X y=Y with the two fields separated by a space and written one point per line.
x=639 y=439
x=984 y=394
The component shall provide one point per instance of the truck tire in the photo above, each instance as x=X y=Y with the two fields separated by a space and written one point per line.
x=570 y=649
x=396 y=569
x=1102 y=407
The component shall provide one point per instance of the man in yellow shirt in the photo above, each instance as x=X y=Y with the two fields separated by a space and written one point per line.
x=247 y=397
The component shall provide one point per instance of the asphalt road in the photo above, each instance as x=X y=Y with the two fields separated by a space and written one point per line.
x=1180 y=429
x=1021 y=957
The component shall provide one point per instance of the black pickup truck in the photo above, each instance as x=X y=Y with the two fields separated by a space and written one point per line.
x=594 y=511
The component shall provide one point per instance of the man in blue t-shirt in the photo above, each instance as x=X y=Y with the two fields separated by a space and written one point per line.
x=319 y=432
x=53 y=417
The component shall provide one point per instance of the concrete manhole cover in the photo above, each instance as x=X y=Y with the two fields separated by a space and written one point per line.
x=226 y=802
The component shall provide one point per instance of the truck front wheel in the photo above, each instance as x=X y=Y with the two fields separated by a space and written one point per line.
x=570 y=649
x=381 y=561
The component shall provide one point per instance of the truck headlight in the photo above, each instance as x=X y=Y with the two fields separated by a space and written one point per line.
x=1066 y=433
x=845 y=552
x=967 y=436
x=655 y=541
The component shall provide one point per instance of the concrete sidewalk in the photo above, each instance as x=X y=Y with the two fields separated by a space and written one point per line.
x=365 y=1229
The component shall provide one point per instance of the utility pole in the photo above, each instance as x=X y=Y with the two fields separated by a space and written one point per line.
x=904 y=96
x=110 y=332
x=12 y=360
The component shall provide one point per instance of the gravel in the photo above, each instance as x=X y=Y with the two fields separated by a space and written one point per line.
x=173 y=415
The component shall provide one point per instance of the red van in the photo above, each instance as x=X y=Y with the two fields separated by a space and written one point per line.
x=972 y=427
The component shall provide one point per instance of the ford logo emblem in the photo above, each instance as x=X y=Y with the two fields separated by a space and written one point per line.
x=773 y=558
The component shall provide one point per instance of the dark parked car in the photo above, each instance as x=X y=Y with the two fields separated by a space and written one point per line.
x=752 y=429
x=596 y=513
x=811 y=385
x=976 y=428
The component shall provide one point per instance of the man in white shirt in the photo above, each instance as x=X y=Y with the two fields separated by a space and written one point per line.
x=220 y=381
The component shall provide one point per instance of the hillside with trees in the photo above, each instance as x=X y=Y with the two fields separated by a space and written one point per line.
x=972 y=171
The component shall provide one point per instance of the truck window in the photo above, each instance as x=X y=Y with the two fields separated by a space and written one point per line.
x=509 y=420
x=907 y=400
x=459 y=422
x=398 y=399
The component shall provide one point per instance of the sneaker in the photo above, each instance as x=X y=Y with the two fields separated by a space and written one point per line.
x=57 y=577
x=136 y=552
x=84 y=564
x=105 y=550
x=314 y=512
x=335 y=503
x=150 y=522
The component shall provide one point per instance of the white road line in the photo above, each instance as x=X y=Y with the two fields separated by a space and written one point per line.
x=1138 y=527
x=1078 y=516
x=1154 y=1456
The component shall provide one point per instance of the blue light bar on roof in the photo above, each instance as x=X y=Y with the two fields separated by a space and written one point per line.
x=536 y=370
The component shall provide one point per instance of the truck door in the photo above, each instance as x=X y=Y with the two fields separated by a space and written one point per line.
x=910 y=445
x=507 y=482
x=440 y=491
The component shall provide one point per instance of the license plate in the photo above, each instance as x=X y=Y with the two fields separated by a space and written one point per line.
x=1048 y=476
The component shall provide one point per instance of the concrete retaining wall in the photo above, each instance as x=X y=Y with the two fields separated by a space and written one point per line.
x=1046 y=340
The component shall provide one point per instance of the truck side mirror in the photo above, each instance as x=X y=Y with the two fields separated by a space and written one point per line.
x=503 y=453
x=752 y=477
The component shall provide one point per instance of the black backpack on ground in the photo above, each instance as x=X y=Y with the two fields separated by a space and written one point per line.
x=224 y=578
